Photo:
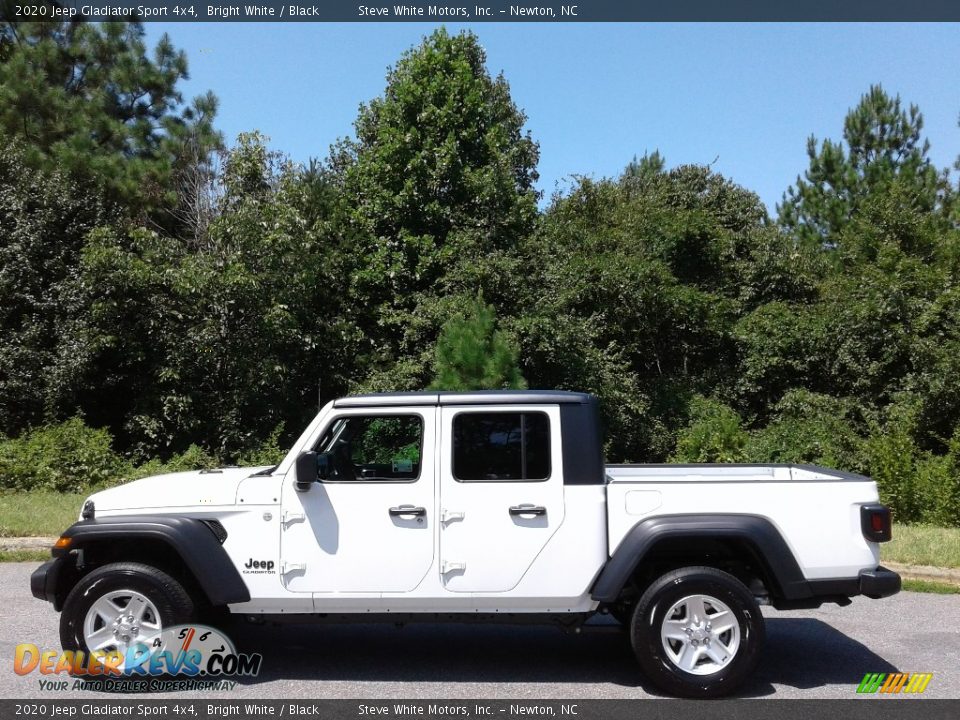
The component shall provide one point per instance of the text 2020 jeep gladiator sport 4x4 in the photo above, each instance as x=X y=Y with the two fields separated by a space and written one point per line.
x=484 y=505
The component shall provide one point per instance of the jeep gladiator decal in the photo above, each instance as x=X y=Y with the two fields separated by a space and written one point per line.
x=258 y=566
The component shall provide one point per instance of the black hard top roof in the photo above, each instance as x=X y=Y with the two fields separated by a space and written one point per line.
x=478 y=397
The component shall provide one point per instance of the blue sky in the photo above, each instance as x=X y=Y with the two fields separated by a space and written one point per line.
x=743 y=97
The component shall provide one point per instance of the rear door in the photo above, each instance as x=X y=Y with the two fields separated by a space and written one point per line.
x=501 y=493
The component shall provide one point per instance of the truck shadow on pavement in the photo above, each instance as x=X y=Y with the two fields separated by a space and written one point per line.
x=806 y=653
x=802 y=653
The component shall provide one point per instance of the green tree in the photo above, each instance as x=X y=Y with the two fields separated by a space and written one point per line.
x=939 y=482
x=44 y=221
x=882 y=144
x=935 y=367
x=781 y=346
x=472 y=354
x=218 y=343
x=90 y=100
x=439 y=182
x=67 y=457
x=634 y=287
x=811 y=428
x=893 y=459
x=713 y=435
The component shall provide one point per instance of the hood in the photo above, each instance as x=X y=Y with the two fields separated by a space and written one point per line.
x=183 y=489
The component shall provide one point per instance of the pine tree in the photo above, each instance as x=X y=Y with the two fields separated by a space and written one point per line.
x=88 y=99
x=882 y=145
x=471 y=354
x=639 y=169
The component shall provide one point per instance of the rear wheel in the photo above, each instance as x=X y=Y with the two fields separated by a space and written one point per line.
x=697 y=632
x=117 y=606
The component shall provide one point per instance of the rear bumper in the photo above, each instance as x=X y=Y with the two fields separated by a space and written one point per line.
x=879 y=583
x=876 y=583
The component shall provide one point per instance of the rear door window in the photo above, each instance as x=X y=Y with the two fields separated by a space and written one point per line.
x=501 y=447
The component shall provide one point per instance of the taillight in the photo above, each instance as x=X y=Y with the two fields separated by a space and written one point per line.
x=875 y=522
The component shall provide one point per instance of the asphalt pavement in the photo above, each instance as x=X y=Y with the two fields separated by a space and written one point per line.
x=820 y=653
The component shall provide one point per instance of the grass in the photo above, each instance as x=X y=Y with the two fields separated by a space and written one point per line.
x=24 y=514
x=24 y=555
x=931 y=586
x=923 y=545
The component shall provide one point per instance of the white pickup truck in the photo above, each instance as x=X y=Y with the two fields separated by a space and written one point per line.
x=491 y=506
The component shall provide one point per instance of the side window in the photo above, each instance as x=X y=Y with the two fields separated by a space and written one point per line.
x=370 y=448
x=501 y=446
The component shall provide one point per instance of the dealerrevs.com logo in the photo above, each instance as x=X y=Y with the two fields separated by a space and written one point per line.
x=182 y=657
x=894 y=683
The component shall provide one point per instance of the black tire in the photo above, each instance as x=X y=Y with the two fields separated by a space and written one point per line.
x=649 y=616
x=172 y=602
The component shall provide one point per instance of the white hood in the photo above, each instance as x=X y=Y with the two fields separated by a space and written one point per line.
x=183 y=489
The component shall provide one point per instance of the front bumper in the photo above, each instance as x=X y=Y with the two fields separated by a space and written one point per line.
x=879 y=583
x=43 y=580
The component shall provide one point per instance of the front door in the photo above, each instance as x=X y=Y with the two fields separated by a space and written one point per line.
x=368 y=527
x=501 y=493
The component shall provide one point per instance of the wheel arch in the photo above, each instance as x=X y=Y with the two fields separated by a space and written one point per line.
x=186 y=547
x=744 y=537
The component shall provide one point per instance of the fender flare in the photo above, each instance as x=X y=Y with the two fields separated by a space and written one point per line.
x=766 y=541
x=190 y=538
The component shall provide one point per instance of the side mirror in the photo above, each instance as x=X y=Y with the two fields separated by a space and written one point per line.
x=324 y=465
x=306 y=471
x=311 y=467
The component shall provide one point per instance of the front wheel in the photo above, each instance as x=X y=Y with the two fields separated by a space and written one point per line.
x=117 y=606
x=697 y=632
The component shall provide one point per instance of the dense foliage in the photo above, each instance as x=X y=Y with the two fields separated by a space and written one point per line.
x=88 y=100
x=195 y=305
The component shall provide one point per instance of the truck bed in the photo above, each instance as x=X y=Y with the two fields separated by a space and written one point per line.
x=731 y=472
x=815 y=509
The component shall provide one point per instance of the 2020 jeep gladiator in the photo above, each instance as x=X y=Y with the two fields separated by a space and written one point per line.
x=484 y=505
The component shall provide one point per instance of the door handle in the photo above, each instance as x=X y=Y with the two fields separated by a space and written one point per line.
x=407 y=510
x=528 y=510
